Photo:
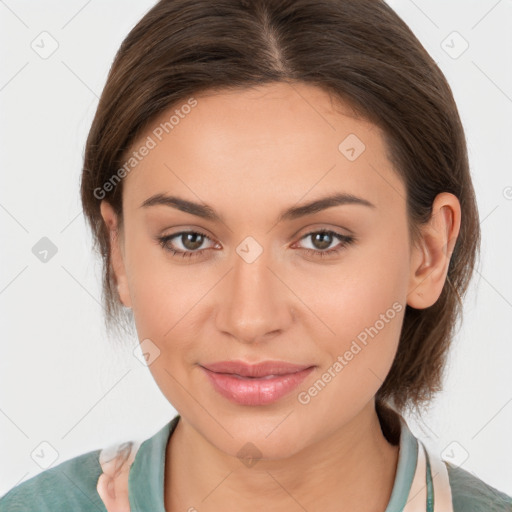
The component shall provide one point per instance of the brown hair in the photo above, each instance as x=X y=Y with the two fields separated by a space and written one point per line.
x=361 y=52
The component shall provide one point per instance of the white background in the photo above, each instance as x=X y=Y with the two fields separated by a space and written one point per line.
x=63 y=382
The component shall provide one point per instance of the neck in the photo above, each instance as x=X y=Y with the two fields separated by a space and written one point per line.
x=355 y=464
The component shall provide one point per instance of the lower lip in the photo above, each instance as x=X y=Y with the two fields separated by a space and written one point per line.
x=247 y=391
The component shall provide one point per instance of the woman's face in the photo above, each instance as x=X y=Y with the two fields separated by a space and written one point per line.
x=259 y=282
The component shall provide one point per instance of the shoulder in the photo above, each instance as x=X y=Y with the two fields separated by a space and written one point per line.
x=470 y=494
x=71 y=485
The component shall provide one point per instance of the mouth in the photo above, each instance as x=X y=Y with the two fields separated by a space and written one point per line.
x=262 y=369
x=258 y=384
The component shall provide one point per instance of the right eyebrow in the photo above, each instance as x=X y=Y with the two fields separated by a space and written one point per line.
x=201 y=210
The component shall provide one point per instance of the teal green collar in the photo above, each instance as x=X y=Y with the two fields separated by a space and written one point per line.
x=407 y=459
x=146 y=480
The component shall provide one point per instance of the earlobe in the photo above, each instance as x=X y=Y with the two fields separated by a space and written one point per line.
x=430 y=257
x=116 y=252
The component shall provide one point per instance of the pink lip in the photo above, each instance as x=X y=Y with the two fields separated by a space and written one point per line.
x=257 y=384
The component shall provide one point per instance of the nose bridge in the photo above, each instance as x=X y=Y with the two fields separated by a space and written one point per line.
x=255 y=302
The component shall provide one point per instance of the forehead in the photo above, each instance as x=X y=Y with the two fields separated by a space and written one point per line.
x=276 y=143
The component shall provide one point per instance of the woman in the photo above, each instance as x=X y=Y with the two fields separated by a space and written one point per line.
x=281 y=196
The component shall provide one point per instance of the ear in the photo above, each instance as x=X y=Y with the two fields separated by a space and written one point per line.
x=116 y=252
x=430 y=256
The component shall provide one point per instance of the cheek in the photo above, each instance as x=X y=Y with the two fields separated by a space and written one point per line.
x=161 y=292
x=361 y=304
x=165 y=299
x=351 y=295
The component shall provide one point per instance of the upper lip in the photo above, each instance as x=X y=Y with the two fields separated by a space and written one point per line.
x=262 y=369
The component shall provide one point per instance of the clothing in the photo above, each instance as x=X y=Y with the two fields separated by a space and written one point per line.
x=73 y=484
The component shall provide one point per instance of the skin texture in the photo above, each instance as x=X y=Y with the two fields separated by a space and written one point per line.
x=250 y=154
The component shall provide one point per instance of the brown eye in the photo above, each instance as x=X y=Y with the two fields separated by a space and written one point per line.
x=184 y=244
x=192 y=241
x=322 y=240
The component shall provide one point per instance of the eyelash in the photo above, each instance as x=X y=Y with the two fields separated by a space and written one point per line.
x=344 y=239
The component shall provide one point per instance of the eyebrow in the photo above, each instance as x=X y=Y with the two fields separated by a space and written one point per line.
x=207 y=212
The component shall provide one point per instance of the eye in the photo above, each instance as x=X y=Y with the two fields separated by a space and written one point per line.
x=321 y=241
x=185 y=244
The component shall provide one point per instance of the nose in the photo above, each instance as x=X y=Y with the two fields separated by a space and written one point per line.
x=254 y=305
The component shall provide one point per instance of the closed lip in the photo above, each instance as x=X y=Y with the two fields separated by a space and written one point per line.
x=262 y=369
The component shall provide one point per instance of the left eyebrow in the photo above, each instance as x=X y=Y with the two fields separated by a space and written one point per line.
x=322 y=204
x=207 y=212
